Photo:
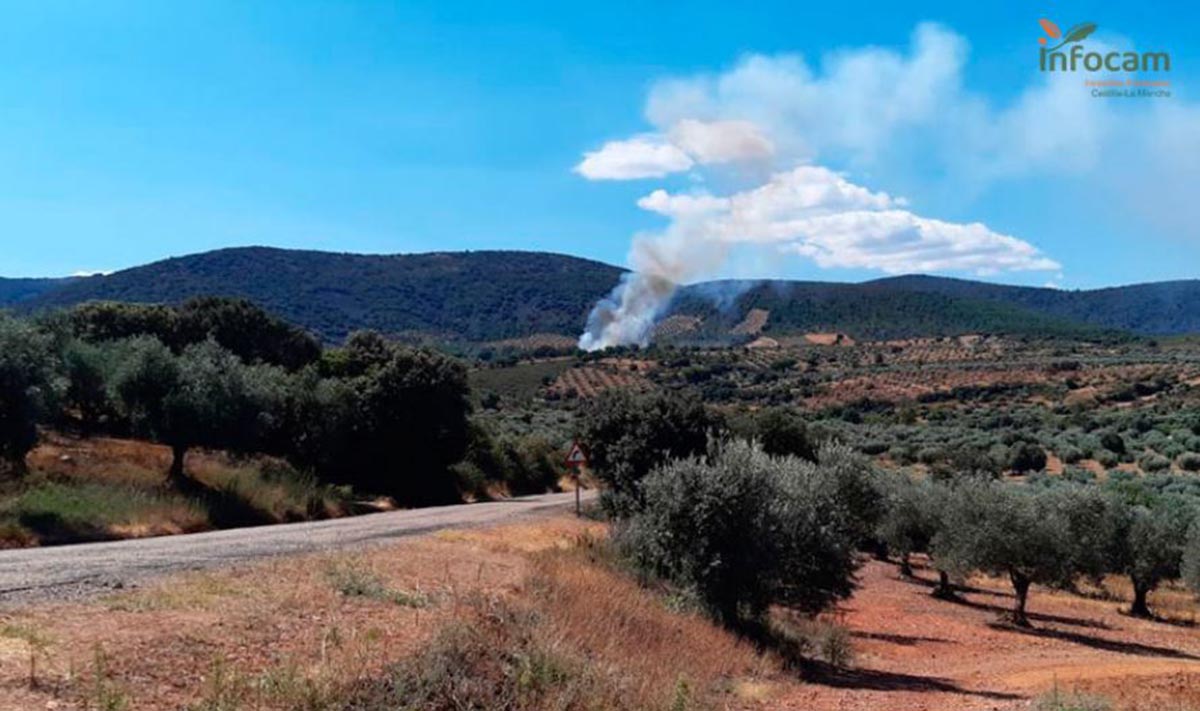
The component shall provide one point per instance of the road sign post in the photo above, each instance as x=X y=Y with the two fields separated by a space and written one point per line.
x=576 y=460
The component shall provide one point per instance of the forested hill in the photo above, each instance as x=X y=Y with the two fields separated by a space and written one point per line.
x=491 y=295
x=16 y=291
x=1156 y=308
x=475 y=296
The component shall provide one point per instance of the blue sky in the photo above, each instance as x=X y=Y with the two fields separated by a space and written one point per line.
x=134 y=131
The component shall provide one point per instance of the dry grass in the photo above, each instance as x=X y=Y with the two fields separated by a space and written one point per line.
x=542 y=610
x=305 y=633
x=627 y=630
x=104 y=488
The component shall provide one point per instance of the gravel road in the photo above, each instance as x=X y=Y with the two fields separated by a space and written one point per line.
x=40 y=574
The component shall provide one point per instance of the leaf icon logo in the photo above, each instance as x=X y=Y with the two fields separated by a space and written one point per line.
x=1078 y=33
x=1050 y=28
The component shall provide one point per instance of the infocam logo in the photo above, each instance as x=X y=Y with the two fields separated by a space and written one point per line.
x=1057 y=59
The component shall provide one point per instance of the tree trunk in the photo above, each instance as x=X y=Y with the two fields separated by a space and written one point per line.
x=1141 y=590
x=906 y=566
x=177 y=476
x=1020 y=585
x=944 y=589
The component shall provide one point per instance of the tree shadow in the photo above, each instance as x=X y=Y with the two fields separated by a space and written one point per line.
x=1033 y=616
x=1158 y=619
x=957 y=588
x=901 y=639
x=225 y=507
x=1107 y=645
x=875 y=680
x=53 y=528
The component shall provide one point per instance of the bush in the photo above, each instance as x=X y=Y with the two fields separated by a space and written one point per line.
x=1154 y=463
x=1190 y=462
x=782 y=432
x=628 y=434
x=495 y=658
x=392 y=421
x=1112 y=442
x=745 y=531
x=1027 y=457
x=524 y=465
x=1190 y=562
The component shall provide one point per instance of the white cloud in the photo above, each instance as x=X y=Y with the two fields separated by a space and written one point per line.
x=664 y=203
x=814 y=212
x=687 y=143
x=647 y=156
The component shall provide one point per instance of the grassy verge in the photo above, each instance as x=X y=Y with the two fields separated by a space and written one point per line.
x=91 y=490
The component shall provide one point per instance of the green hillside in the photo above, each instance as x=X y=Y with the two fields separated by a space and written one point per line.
x=473 y=296
x=492 y=295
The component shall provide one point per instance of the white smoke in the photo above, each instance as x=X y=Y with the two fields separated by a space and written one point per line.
x=765 y=125
x=810 y=211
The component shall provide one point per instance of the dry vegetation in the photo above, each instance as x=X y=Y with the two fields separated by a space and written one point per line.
x=538 y=615
x=102 y=488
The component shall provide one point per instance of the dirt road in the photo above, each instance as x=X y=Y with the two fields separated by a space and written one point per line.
x=39 y=574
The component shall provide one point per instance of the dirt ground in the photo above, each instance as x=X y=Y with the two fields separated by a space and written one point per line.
x=288 y=623
x=916 y=652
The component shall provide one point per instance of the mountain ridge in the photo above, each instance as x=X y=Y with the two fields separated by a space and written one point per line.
x=486 y=295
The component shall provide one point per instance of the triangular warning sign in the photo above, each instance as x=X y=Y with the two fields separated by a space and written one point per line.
x=576 y=457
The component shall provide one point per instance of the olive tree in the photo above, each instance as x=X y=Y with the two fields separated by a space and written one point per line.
x=1190 y=564
x=29 y=382
x=743 y=531
x=200 y=398
x=1153 y=543
x=911 y=516
x=87 y=367
x=1011 y=530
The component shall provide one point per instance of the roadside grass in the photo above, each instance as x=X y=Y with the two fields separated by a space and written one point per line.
x=51 y=512
x=198 y=591
x=662 y=653
x=352 y=579
x=498 y=654
x=104 y=489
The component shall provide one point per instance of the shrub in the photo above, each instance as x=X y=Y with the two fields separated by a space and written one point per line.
x=1154 y=463
x=1056 y=700
x=494 y=658
x=1112 y=442
x=1071 y=454
x=1027 y=457
x=745 y=531
x=628 y=434
x=782 y=432
x=1190 y=462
